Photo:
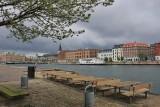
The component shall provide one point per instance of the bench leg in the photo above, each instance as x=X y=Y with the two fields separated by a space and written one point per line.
x=103 y=93
x=146 y=93
x=130 y=99
x=115 y=92
x=95 y=90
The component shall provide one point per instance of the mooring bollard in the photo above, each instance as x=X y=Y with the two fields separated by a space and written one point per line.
x=88 y=98
x=24 y=80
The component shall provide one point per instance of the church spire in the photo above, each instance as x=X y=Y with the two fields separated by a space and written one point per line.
x=60 y=48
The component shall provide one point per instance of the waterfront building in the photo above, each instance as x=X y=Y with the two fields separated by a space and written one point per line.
x=65 y=56
x=14 y=57
x=136 y=51
x=2 y=58
x=152 y=52
x=70 y=56
x=31 y=59
x=48 y=58
x=117 y=52
x=75 y=55
x=105 y=53
x=62 y=56
x=157 y=51
x=86 y=53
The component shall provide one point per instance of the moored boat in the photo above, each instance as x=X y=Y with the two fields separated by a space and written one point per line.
x=87 y=61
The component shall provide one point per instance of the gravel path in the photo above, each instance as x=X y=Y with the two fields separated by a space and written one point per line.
x=45 y=93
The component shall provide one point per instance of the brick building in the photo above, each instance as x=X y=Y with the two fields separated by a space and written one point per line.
x=86 y=53
x=152 y=52
x=75 y=55
x=2 y=58
x=133 y=51
x=15 y=57
x=157 y=51
x=62 y=56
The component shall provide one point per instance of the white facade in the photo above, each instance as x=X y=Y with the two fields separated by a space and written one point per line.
x=104 y=54
x=157 y=58
x=117 y=52
x=132 y=59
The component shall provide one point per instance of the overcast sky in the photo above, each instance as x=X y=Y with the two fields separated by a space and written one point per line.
x=124 y=21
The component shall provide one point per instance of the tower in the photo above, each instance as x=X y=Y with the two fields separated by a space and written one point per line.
x=60 y=48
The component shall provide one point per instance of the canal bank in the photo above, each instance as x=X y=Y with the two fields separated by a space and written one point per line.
x=134 y=63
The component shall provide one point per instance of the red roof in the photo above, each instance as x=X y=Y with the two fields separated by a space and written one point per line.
x=135 y=44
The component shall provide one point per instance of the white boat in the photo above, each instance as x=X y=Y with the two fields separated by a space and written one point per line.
x=91 y=61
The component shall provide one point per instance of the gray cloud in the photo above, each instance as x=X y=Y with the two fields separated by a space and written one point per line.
x=43 y=45
x=124 y=21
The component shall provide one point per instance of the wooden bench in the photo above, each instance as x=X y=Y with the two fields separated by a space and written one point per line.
x=94 y=83
x=12 y=93
x=137 y=90
x=49 y=73
x=79 y=80
x=103 y=85
x=55 y=74
x=42 y=73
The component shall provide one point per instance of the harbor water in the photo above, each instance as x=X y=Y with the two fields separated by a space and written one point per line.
x=141 y=73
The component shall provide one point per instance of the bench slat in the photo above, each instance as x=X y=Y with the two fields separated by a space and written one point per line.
x=136 y=90
x=105 y=88
x=107 y=82
x=128 y=94
x=141 y=86
x=140 y=91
